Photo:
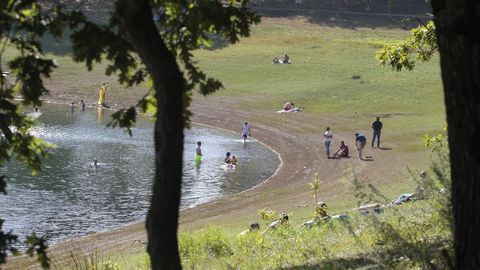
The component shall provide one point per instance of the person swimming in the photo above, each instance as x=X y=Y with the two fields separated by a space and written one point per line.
x=95 y=163
x=227 y=159
x=233 y=161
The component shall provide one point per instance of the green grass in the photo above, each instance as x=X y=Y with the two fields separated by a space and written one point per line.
x=320 y=79
x=403 y=237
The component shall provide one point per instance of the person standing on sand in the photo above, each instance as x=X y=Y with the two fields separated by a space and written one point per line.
x=360 y=141
x=245 y=132
x=328 y=140
x=377 y=129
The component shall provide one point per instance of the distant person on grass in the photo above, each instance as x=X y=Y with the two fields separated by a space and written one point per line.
x=275 y=60
x=254 y=227
x=328 y=140
x=377 y=129
x=288 y=106
x=286 y=59
x=360 y=141
x=245 y=132
x=321 y=215
x=282 y=221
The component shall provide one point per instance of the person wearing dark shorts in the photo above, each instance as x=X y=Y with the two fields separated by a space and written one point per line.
x=377 y=129
x=245 y=132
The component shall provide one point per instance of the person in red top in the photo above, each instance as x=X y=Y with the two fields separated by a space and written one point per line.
x=342 y=152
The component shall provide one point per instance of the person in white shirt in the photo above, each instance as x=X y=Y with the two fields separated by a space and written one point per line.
x=245 y=132
x=328 y=139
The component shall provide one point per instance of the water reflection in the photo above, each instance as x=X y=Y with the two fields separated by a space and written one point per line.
x=71 y=197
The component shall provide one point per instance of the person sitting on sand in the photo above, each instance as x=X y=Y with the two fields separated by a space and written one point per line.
x=254 y=227
x=342 y=151
x=275 y=60
x=282 y=221
x=227 y=159
x=288 y=106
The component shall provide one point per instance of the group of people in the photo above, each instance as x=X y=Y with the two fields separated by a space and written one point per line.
x=101 y=99
x=285 y=60
x=341 y=152
x=360 y=141
x=230 y=160
x=321 y=216
x=82 y=106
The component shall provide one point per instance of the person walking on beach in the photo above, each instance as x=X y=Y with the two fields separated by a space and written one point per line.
x=245 y=132
x=328 y=140
x=377 y=129
x=360 y=141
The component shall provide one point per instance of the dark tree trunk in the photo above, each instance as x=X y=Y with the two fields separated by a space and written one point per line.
x=162 y=221
x=458 y=33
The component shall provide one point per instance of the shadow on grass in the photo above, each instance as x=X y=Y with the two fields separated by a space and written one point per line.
x=385 y=148
x=350 y=14
x=341 y=263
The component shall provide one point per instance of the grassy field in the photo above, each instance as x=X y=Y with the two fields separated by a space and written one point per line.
x=324 y=61
x=334 y=74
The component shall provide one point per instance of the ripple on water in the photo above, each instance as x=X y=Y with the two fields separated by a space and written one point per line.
x=71 y=198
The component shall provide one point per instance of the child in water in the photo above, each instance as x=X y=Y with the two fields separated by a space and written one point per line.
x=198 y=152
x=227 y=158
x=233 y=161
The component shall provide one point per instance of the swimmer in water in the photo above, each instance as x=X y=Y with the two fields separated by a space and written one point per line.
x=198 y=152
x=227 y=158
x=82 y=104
x=233 y=161
x=95 y=163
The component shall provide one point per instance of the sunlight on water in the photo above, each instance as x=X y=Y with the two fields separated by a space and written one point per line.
x=71 y=198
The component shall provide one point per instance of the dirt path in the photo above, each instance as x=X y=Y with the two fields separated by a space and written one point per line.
x=296 y=137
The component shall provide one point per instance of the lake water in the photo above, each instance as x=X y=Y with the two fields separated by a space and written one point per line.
x=70 y=198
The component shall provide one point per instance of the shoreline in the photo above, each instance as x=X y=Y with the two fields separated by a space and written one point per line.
x=301 y=154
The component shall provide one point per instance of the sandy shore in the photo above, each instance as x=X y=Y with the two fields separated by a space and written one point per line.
x=296 y=137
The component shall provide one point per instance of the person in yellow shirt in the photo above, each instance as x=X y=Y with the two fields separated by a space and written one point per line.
x=101 y=95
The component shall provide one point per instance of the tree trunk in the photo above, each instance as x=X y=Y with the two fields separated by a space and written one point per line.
x=162 y=221
x=458 y=37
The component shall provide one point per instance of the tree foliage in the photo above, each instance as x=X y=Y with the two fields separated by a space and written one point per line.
x=22 y=23
x=182 y=25
x=421 y=45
